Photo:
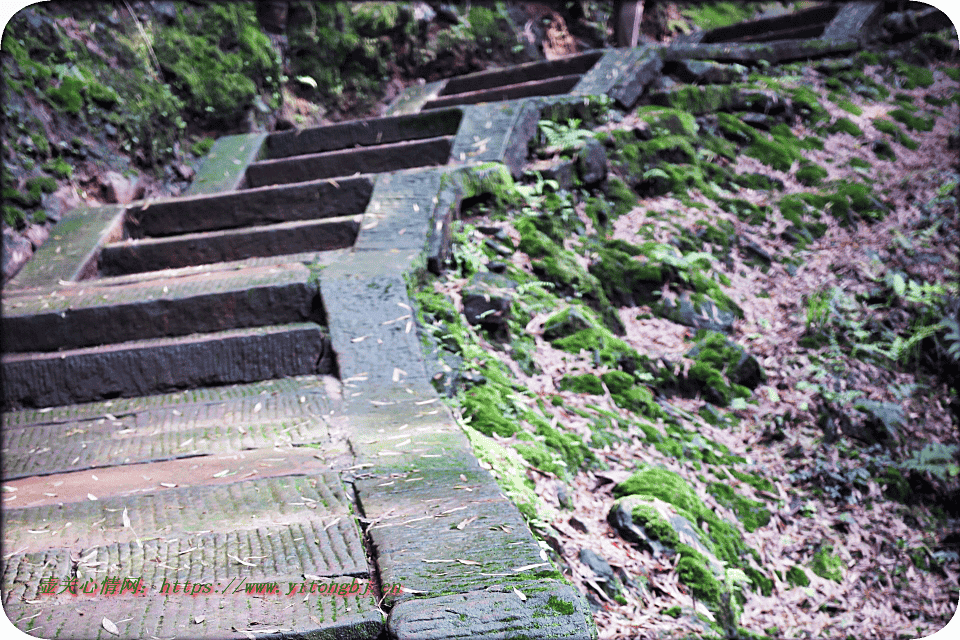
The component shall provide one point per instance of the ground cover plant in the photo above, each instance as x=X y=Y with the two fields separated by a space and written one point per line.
x=722 y=388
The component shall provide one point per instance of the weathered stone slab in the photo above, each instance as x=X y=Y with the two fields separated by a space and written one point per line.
x=521 y=73
x=314 y=501
x=310 y=386
x=814 y=20
x=550 y=610
x=370 y=318
x=363 y=133
x=447 y=530
x=265 y=205
x=71 y=251
x=400 y=212
x=774 y=52
x=152 y=254
x=547 y=87
x=225 y=165
x=331 y=164
x=622 y=74
x=91 y=314
x=497 y=132
x=855 y=21
x=153 y=366
x=222 y=617
x=262 y=421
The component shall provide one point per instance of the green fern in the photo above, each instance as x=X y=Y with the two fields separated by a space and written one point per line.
x=561 y=138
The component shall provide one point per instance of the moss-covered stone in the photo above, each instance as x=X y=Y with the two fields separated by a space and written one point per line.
x=752 y=514
x=573 y=280
x=628 y=395
x=845 y=125
x=664 y=121
x=827 y=565
x=913 y=76
x=916 y=123
x=811 y=174
x=798 y=577
x=894 y=131
x=722 y=369
x=585 y=383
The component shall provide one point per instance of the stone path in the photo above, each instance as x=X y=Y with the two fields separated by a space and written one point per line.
x=217 y=410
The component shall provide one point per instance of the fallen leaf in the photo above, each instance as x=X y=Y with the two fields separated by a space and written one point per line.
x=109 y=626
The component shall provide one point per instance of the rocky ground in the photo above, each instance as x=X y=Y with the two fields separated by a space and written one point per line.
x=719 y=381
x=708 y=346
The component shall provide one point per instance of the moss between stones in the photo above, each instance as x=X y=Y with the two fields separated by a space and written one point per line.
x=510 y=471
x=811 y=174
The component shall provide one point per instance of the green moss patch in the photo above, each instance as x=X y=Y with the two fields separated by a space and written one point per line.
x=752 y=514
x=827 y=565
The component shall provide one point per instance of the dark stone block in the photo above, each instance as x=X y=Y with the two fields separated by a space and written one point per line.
x=266 y=205
x=592 y=163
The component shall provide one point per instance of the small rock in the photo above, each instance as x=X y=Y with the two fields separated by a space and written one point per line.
x=703 y=315
x=60 y=201
x=184 y=171
x=110 y=130
x=37 y=234
x=592 y=163
x=487 y=300
x=563 y=497
x=119 y=190
x=16 y=251
x=757 y=120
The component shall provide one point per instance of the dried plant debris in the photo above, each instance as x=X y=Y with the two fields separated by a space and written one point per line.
x=720 y=383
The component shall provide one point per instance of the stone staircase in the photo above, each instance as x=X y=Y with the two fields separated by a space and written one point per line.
x=228 y=388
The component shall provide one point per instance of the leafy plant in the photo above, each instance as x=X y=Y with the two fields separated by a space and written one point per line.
x=563 y=138
x=939 y=460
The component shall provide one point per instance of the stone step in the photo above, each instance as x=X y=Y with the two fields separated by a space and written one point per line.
x=546 y=87
x=249 y=207
x=151 y=254
x=116 y=437
x=519 y=74
x=153 y=366
x=362 y=133
x=124 y=407
x=345 y=162
x=813 y=20
x=289 y=530
x=90 y=313
x=247 y=505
